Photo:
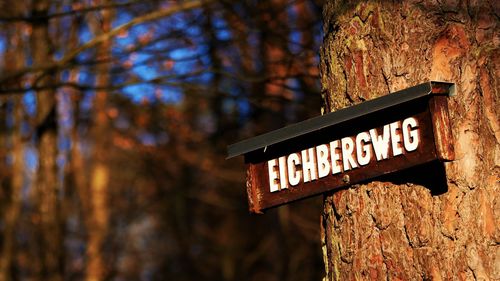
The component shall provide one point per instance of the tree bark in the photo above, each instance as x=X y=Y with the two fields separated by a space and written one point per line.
x=385 y=230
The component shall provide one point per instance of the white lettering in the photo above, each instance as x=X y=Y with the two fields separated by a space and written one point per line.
x=335 y=157
x=380 y=143
x=397 y=148
x=363 y=152
x=347 y=150
x=273 y=175
x=322 y=157
x=309 y=165
x=410 y=137
x=294 y=176
x=343 y=155
x=283 y=177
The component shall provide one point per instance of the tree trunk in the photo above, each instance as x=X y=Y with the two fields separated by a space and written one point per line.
x=385 y=230
x=14 y=59
x=13 y=209
x=51 y=243
x=98 y=213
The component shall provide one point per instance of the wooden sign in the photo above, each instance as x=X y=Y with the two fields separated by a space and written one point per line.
x=349 y=146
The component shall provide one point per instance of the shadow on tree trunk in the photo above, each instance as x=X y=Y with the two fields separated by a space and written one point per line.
x=431 y=175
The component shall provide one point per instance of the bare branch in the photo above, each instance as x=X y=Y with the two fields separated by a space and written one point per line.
x=184 y=6
x=69 y=13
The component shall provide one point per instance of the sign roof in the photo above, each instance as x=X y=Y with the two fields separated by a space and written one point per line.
x=336 y=117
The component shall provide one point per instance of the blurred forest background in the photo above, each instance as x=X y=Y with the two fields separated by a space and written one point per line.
x=114 y=122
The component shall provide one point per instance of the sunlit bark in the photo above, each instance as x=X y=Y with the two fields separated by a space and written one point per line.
x=392 y=231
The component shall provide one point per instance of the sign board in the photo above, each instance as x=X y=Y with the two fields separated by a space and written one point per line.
x=348 y=146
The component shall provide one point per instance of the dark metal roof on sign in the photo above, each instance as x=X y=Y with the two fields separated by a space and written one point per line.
x=332 y=118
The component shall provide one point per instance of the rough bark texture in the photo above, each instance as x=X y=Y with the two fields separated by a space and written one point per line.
x=398 y=228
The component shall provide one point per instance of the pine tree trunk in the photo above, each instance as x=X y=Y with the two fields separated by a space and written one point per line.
x=386 y=230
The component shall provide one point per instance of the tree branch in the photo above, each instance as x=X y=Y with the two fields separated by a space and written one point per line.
x=68 y=13
x=184 y=6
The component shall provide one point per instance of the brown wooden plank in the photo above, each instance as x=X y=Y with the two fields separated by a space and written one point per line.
x=438 y=106
x=254 y=199
x=262 y=198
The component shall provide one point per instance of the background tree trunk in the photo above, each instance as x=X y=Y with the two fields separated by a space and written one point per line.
x=15 y=57
x=99 y=213
x=389 y=231
x=13 y=208
x=51 y=242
